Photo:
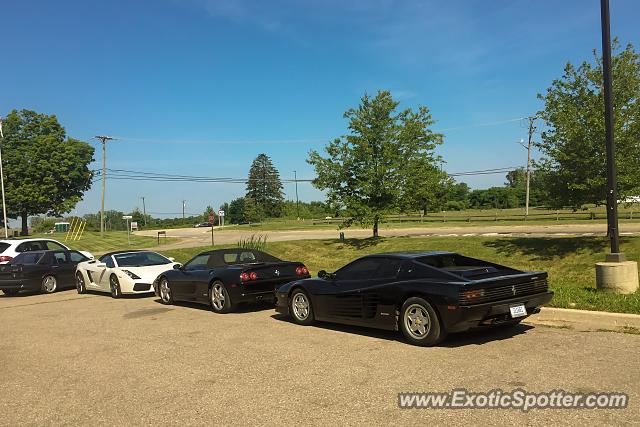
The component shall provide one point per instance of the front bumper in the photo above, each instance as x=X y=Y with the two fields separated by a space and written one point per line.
x=492 y=313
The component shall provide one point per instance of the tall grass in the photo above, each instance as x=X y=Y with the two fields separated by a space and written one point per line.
x=257 y=242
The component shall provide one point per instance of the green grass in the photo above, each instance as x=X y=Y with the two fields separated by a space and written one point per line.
x=570 y=261
x=113 y=240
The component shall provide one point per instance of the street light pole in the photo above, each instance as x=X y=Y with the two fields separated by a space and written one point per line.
x=612 y=190
x=4 y=205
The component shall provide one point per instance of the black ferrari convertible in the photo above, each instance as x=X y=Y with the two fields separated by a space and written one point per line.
x=224 y=278
x=425 y=295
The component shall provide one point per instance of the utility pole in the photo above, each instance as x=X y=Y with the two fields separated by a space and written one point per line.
x=144 y=212
x=184 y=203
x=104 y=140
x=295 y=178
x=4 y=205
x=530 y=142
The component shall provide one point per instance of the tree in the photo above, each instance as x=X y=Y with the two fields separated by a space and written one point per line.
x=386 y=161
x=573 y=146
x=516 y=178
x=235 y=214
x=46 y=172
x=253 y=211
x=264 y=186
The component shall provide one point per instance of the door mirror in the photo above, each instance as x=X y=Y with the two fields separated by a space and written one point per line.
x=177 y=266
x=322 y=274
x=171 y=258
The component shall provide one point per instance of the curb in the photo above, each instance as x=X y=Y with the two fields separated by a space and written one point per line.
x=584 y=320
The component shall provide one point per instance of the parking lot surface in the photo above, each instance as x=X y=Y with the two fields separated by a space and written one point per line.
x=92 y=360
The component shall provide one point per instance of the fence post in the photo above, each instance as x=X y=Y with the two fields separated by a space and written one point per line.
x=557 y=215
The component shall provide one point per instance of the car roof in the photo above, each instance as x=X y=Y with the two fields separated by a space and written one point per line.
x=410 y=254
x=31 y=239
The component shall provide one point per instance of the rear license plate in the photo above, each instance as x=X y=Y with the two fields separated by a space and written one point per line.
x=518 y=311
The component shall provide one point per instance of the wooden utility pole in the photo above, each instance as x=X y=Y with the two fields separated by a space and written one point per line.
x=104 y=140
x=532 y=129
x=144 y=212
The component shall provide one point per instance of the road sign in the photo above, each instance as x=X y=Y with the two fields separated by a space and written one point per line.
x=134 y=225
x=211 y=218
x=127 y=217
x=220 y=212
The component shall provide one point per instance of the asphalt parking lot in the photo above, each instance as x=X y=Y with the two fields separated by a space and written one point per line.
x=91 y=360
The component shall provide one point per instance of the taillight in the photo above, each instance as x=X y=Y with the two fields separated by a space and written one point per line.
x=245 y=277
x=5 y=258
x=302 y=270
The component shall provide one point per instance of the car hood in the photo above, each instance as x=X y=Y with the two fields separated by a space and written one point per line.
x=149 y=273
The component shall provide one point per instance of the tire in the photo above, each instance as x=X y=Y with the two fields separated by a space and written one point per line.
x=300 y=308
x=81 y=287
x=49 y=284
x=419 y=323
x=165 y=291
x=10 y=292
x=219 y=298
x=114 y=285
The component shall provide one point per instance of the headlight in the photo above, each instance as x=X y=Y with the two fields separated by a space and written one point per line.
x=476 y=293
x=134 y=276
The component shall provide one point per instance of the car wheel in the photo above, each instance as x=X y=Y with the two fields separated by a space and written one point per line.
x=114 y=285
x=49 y=284
x=80 y=285
x=419 y=323
x=165 y=291
x=10 y=292
x=300 y=308
x=219 y=298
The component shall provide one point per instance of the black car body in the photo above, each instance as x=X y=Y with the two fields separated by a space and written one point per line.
x=46 y=271
x=373 y=291
x=224 y=278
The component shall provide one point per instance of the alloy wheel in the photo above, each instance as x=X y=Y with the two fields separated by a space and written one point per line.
x=417 y=321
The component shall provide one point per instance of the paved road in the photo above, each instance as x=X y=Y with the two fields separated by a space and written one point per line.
x=92 y=360
x=191 y=237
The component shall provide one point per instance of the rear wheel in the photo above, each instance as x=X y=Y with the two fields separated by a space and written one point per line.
x=219 y=298
x=114 y=285
x=81 y=287
x=419 y=323
x=49 y=284
x=165 y=291
x=300 y=308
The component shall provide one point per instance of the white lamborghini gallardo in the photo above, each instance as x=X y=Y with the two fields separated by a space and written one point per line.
x=123 y=272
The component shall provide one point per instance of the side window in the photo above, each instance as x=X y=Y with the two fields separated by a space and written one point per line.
x=59 y=257
x=198 y=263
x=23 y=247
x=361 y=269
x=389 y=268
x=108 y=260
x=53 y=246
x=77 y=257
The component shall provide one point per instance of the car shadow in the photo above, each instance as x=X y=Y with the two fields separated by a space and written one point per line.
x=547 y=248
x=461 y=339
x=23 y=294
x=241 y=309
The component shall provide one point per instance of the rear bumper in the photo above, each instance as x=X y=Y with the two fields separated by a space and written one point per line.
x=491 y=313
x=20 y=285
x=282 y=303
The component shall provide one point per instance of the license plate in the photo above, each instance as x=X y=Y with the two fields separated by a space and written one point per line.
x=518 y=311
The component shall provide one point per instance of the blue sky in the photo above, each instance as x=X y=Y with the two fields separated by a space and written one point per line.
x=201 y=87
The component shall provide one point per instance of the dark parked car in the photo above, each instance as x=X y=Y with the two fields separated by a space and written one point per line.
x=425 y=295
x=224 y=278
x=203 y=224
x=45 y=271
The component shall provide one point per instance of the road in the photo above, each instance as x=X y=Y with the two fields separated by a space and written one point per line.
x=192 y=237
x=92 y=360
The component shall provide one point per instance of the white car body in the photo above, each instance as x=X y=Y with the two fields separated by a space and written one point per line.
x=18 y=246
x=132 y=279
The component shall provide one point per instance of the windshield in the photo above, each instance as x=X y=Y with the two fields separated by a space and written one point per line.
x=3 y=246
x=140 y=259
x=27 y=258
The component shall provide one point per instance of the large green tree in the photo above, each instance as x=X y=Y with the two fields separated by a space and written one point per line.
x=46 y=172
x=573 y=144
x=264 y=186
x=385 y=163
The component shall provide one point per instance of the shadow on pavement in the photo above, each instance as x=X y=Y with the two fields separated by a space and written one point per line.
x=474 y=337
x=241 y=309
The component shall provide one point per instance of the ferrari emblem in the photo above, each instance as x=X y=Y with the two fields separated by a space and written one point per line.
x=277 y=272
x=513 y=289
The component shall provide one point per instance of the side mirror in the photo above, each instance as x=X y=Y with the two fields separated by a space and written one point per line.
x=322 y=274
x=171 y=258
x=177 y=266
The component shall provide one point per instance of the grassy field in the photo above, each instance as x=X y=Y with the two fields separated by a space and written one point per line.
x=570 y=261
x=113 y=240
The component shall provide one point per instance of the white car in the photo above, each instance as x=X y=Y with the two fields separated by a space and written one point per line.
x=9 y=248
x=122 y=272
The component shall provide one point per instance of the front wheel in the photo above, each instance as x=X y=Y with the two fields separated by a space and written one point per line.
x=300 y=308
x=114 y=285
x=419 y=323
x=219 y=298
x=49 y=284
x=80 y=285
x=165 y=291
